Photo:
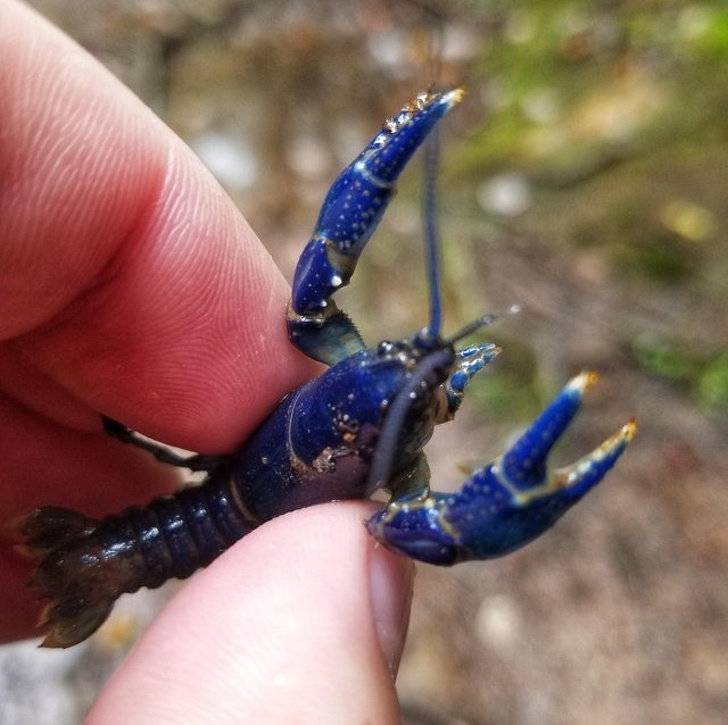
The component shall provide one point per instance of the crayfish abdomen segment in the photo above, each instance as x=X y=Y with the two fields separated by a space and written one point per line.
x=95 y=561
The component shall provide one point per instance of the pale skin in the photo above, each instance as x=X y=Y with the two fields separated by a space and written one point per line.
x=131 y=286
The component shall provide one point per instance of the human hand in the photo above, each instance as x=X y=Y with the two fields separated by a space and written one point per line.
x=129 y=285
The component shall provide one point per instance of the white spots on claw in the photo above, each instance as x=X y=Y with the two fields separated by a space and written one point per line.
x=422 y=99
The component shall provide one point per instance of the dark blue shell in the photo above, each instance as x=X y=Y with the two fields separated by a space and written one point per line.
x=318 y=443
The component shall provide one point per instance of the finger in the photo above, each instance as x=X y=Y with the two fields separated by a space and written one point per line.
x=128 y=285
x=127 y=276
x=302 y=621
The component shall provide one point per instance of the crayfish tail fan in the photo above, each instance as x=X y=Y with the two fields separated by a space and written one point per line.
x=78 y=602
x=50 y=527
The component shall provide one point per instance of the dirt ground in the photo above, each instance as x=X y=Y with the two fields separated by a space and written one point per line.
x=613 y=243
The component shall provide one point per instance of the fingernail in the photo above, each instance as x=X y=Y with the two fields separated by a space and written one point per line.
x=391 y=580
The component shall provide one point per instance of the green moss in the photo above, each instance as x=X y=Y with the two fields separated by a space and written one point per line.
x=712 y=386
x=703 y=375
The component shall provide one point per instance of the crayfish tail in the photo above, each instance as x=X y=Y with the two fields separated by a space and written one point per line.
x=68 y=622
x=66 y=576
x=51 y=527
x=86 y=564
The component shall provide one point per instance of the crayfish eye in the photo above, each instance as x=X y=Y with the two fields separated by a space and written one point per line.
x=426 y=340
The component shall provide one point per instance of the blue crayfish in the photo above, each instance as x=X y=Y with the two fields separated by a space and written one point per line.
x=358 y=427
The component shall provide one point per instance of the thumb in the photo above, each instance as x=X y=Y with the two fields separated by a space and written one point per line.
x=302 y=621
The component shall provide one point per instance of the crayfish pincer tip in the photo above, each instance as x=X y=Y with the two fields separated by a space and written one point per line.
x=588 y=471
x=583 y=381
x=454 y=96
x=629 y=430
x=439 y=103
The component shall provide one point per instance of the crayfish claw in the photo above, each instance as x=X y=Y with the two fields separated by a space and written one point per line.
x=349 y=215
x=505 y=504
x=524 y=464
x=580 y=476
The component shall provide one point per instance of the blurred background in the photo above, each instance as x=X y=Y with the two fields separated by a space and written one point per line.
x=585 y=178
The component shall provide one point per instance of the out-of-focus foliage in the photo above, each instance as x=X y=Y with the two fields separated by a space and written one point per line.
x=704 y=376
x=605 y=133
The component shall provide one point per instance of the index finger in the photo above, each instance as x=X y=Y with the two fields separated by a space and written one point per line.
x=127 y=277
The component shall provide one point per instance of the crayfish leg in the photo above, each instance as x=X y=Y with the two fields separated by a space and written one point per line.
x=195 y=462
